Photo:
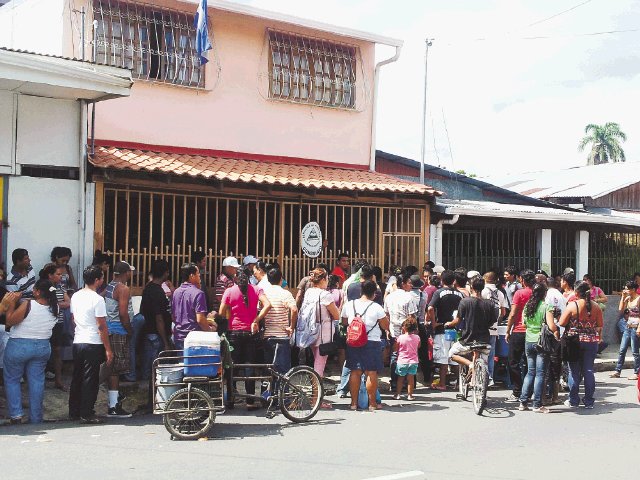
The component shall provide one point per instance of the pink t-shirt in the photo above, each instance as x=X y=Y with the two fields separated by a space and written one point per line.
x=241 y=316
x=408 y=348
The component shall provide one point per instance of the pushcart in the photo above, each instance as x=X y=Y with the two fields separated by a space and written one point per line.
x=189 y=404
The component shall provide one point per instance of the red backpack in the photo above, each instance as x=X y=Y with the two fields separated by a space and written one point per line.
x=357 y=334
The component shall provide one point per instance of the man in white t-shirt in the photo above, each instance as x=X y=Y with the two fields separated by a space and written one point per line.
x=399 y=305
x=491 y=292
x=91 y=347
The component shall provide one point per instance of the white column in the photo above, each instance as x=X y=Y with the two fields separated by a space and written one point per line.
x=582 y=253
x=543 y=240
x=432 y=243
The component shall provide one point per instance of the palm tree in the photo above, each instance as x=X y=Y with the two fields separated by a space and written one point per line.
x=605 y=145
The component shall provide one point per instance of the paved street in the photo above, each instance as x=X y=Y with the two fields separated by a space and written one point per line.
x=436 y=435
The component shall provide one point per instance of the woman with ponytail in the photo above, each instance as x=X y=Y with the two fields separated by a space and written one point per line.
x=583 y=318
x=535 y=313
x=239 y=304
x=53 y=273
x=28 y=349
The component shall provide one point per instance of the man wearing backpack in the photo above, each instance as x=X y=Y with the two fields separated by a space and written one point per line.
x=491 y=292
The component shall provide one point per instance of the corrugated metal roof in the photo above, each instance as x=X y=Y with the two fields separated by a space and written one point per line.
x=591 y=181
x=529 y=212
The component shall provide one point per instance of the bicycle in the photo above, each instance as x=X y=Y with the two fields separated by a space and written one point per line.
x=478 y=379
x=189 y=412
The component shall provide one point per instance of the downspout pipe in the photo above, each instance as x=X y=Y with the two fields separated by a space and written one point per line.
x=438 y=238
x=376 y=81
x=82 y=180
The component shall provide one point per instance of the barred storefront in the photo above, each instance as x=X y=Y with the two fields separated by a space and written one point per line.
x=139 y=219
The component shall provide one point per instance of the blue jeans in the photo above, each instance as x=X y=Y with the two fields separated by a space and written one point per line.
x=151 y=348
x=492 y=355
x=583 y=369
x=534 y=380
x=137 y=322
x=280 y=357
x=393 y=361
x=629 y=337
x=343 y=388
x=27 y=357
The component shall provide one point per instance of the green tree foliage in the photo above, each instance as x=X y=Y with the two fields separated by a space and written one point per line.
x=605 y=143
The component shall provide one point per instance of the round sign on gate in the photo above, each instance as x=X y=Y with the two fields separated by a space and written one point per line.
x=311 y=240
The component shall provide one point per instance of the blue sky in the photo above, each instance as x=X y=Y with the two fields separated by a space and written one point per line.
x=508 y=103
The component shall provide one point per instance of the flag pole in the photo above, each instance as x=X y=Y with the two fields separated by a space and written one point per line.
x=428 y=43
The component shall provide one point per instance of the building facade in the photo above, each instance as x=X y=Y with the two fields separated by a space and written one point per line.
x=235 y=156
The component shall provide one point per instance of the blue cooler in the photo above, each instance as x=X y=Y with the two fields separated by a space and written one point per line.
x=450 y=335
x=207 y=346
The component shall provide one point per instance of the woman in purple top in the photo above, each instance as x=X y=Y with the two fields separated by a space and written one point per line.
x=240 y=305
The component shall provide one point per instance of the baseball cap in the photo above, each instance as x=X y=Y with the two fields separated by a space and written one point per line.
x=438 y=269
x=416 y=281
x=568 y=270
x=249 y=259
x=123 y=267
x=473 y=273
x=230 y=262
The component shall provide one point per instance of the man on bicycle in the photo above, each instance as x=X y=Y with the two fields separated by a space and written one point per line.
x=475 y=315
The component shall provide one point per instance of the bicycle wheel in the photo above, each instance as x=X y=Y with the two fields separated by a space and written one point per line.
x=189 y=414
x=463 y=385
x=480 y=383
x=300 y=394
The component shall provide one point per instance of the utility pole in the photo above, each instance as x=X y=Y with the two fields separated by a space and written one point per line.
x=428 y=43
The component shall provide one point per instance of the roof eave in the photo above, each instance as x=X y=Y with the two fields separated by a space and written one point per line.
x=95 y=82
x=301 y=22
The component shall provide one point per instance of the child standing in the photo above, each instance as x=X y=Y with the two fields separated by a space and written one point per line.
x=407 y=346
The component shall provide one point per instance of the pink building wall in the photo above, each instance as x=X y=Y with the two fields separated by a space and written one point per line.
x=233 y=112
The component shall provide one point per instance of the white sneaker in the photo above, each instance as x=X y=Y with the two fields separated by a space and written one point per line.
x=567 y=403
x=523 y=407
x=542 y=409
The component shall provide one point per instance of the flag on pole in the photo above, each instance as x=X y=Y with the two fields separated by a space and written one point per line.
x=202 y=32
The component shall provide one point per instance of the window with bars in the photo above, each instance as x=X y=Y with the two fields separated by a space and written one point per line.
x=311 y=71
x=155 y=43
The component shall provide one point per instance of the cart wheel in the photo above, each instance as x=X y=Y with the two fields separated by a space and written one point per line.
x=300 y=394
x=189 y=414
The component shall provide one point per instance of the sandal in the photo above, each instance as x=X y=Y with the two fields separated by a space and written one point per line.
x=437 y=386
x=615 y=375
x=633 y=377
x=411 y=397
x=326 y=406
x=353 y=407
x=396 y=397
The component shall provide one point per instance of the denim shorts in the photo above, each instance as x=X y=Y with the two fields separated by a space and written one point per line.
x=404 y=369
x=367 y=358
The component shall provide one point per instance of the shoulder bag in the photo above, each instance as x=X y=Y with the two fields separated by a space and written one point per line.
x=570 y=344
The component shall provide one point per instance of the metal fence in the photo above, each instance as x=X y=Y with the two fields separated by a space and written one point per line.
x=484 y=249
x=139 y=226
x=563 y=251
x=613 y=258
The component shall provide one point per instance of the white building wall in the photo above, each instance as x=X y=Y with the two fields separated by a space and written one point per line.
x=48 y=132
x=33 y=25
x=7 y=132
x=42 y=214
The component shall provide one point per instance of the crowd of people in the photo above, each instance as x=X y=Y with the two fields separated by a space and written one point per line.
x=414 y=319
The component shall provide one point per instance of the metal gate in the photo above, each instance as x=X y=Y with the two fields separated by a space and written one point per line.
x=613 y=258
x=484 y=249
x=139 y=226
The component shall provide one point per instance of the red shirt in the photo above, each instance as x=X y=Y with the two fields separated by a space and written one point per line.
x=340 y=273
x=520 y=298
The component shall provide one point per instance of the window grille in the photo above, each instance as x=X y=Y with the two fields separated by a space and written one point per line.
x=311 y=71
x=156 y=43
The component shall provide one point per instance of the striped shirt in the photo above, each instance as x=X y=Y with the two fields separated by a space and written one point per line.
x=60 y=297
x=222 y=283
x=21 y=283
x=277 y=320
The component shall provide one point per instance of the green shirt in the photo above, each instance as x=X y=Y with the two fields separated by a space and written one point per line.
x=534 y=324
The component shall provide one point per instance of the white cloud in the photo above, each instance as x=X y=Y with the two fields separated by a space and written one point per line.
x=509 y=103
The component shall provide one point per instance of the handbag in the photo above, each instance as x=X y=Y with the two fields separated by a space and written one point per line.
x=547 y=343
x=329 y=348
x=570 y=344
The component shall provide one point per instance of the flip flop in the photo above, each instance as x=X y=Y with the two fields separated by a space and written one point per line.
x=353 y=407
